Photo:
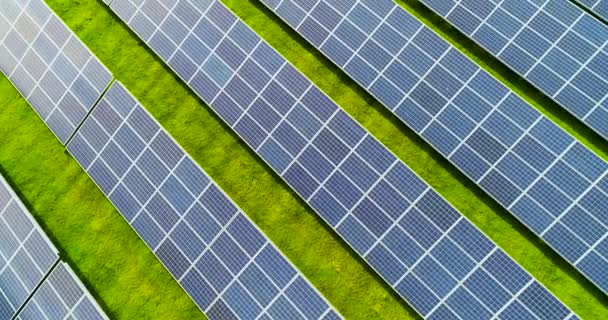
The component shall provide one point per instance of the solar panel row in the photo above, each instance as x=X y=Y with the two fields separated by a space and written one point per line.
x=599 y=7
x=549 y=181
x=224 y=262
x=553 y=44
x=433 y=256
x=286 y=295
x=49 y=65
x=26 y=254
x=62 y=296
x=27 y=257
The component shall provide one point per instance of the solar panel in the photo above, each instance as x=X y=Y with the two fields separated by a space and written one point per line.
x=26 y=254
x=49 y=65
x=223 y=261
x=548 y=180
x=429 y=253
x=553 y=44
x=62 y=296
x=599 y=7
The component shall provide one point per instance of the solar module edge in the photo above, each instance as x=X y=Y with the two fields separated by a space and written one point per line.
x=598 y=8
x=18 y=200
x=50 y=266
x=33 y=272
x=61 y=294
x=87 y=292
x=50 y=66
x=34 y=254
x=557 y=65
x=79 y=281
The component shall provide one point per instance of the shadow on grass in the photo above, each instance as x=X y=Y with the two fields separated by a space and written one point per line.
x=62 y=252
x=513 y=80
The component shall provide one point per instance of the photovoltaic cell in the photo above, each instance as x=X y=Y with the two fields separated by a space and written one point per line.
x=553 y=44
x=378 y=205
x=599 y=7
x=222 y=260
x=62 y=296
x=26 y=254
x=522 y=159
x=49 y=65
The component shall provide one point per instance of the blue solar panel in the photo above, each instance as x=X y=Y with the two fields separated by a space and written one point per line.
x=49 y=65
x=353 y=182
x=215 y=252
x=29 y=270
x=26 y=254
x=61 y=296
x=599 y=7
x=555 y=45
x=522 y=159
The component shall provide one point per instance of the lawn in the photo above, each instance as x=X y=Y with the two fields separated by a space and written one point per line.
x=123 y=273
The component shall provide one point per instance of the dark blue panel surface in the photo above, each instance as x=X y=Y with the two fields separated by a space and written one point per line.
x=198 y=233
x=26 y=254
x=53 y=70
x=553 y=45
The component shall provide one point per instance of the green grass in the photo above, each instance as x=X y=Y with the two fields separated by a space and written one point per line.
x=109 y=256
x=122 y=273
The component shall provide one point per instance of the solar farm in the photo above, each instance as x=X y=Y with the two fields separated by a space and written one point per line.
x=303 y=159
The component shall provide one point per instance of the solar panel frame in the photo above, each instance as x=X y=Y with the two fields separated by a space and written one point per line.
x=555 y=45
x=49 y=65
x=62 y=296
x=599 y=7
x=492 y=164
x=26 y=254
x=336 y=135
x=214 y=251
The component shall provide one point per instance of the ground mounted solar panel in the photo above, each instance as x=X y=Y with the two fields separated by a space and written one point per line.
x=429 y=253
x=26 y=254
x=62 y=296
x=49 y=65
x=554 y=44
x=549 y=181
x=599 y=7
x=223 y=261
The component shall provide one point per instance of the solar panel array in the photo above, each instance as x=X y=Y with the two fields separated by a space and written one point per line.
x=553 y=44
x=49 y=65
x=224 y=262
x=552 y=183
x=48 y=42
x=62 y=296
x=429 y=253
x=26 y=254
x=599 y=7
